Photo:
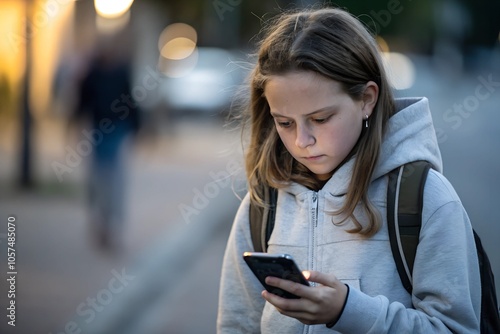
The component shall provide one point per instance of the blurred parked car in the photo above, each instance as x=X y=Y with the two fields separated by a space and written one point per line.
x=205 y=84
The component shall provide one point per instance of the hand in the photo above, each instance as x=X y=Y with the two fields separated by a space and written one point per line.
x=320 y=304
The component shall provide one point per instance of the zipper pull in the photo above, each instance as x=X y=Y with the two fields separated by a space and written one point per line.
x=314 y=208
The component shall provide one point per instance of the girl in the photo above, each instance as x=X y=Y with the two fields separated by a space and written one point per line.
x=326 y=131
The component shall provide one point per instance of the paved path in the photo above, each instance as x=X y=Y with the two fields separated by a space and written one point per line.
x=65 y=283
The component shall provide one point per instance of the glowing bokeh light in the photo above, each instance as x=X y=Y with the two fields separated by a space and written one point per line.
x=112 y=8
x=382 y=44
x=112 y=25
x=178 y=68
x=400 y=70
x=177 y=30
x=178 y=48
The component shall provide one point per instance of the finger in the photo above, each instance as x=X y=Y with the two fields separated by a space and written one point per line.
x=283 y=305
x=295 y=308
x=321 y=278
x=287 y=285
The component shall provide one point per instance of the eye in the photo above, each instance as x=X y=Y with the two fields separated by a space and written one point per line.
x=283 y=124
x=321 y=120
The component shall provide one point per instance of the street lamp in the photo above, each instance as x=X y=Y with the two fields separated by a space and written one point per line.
x=112 y=9
x=112 y=16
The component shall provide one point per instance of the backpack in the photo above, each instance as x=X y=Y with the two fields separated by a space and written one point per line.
x=404 y=215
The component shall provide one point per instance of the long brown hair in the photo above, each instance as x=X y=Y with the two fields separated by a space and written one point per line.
x=332 y=43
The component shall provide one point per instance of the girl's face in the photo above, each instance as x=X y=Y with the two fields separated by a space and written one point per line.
x=318 y=123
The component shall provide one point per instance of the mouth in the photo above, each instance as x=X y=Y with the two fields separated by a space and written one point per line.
x=314 y=157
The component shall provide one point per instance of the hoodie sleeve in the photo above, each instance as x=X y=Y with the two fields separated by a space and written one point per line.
x=446 y=280
x=240 y=301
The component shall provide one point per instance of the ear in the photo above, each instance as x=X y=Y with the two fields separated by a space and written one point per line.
x=370 y=98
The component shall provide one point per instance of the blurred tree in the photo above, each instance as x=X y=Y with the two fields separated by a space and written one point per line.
x=395 y=20
x=408 y=25
x=485 y=27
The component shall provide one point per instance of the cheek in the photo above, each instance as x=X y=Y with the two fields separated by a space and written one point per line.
x=343 y=136
x=352 y=134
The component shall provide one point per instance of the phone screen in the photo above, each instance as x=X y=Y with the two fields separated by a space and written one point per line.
x=276 y=265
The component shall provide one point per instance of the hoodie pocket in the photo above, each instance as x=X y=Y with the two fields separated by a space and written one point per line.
x=352 y=282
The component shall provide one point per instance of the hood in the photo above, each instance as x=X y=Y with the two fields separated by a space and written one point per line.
x=410 y=136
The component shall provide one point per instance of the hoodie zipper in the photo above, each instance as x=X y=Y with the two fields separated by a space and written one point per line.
x=314 y=221
x=314 y=225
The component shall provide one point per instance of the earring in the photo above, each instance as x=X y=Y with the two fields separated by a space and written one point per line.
x=366 y=121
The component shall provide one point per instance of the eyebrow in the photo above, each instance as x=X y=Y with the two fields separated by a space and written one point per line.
x=275 y=114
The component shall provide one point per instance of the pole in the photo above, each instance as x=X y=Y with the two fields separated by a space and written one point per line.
x=26 y=179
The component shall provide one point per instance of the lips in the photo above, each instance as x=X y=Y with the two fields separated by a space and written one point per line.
x=314 y=157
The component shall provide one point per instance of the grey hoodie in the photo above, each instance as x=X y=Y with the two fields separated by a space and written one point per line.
x=446 y=282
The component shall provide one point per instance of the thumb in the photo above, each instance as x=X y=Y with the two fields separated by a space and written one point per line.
x=321 y=278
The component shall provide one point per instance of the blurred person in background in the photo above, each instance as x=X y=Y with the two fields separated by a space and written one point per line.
x=105 y=101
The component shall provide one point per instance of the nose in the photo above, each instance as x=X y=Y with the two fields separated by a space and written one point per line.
x=304 y=137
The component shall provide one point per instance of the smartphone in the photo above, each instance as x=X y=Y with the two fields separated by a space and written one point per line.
x=276 y=265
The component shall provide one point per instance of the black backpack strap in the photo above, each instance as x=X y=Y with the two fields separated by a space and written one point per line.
x=405 y=195
x=490 y=317
x=262 y=219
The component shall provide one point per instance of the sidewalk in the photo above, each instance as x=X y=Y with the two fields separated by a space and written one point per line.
x=176 y=290
x=65 y=284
